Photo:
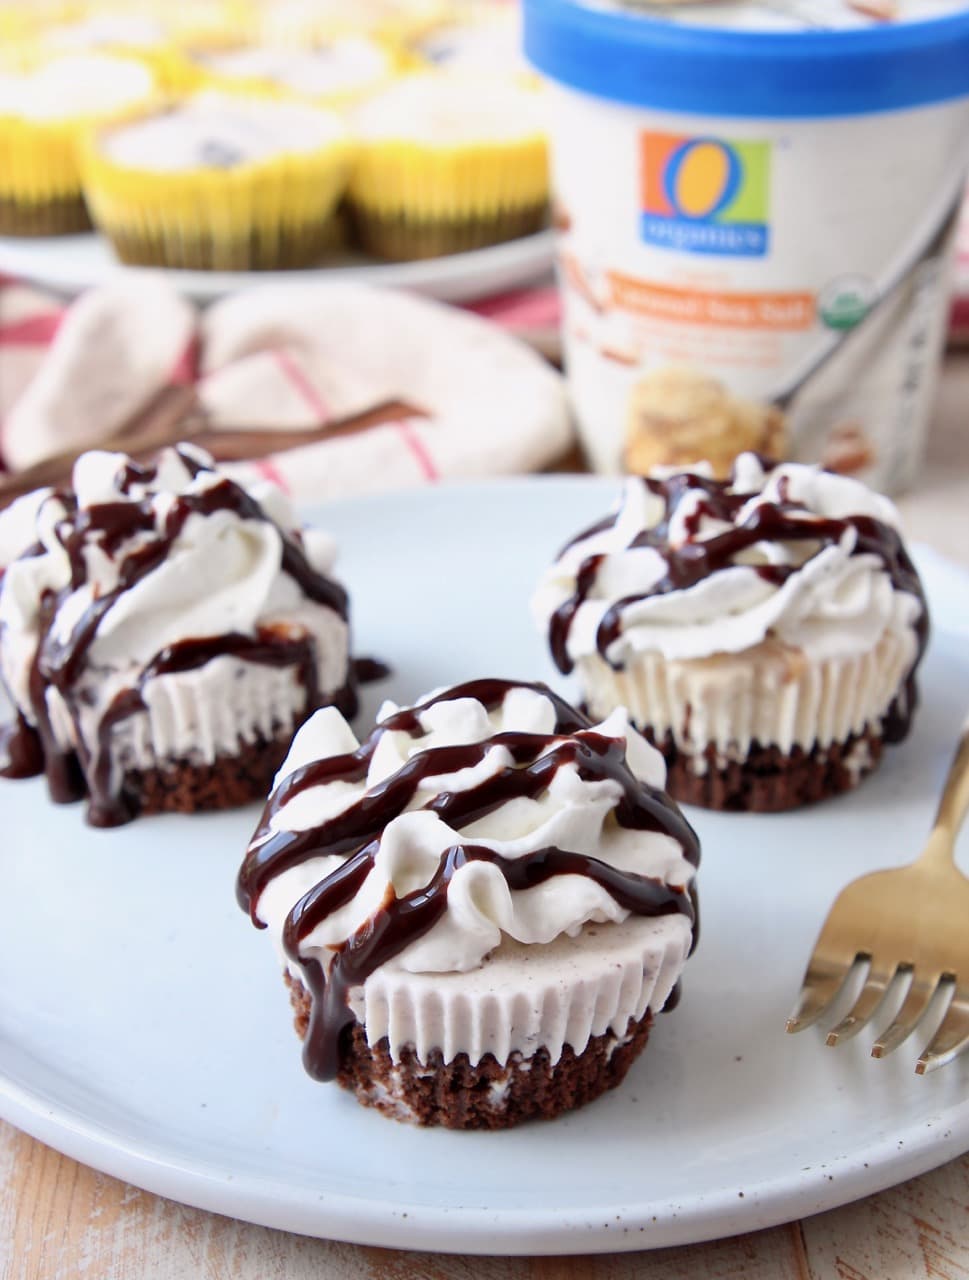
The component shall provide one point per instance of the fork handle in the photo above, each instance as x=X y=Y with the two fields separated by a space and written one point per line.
x=954 y=802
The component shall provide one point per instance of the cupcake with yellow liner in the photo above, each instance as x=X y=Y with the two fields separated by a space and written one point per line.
x=448 y=163
x=206 y=25
x=220 y=182
x=306 y=22
x=123 y=33
x=44 y=111
x=165 y=36
x=19 y=21
x=409 y=21
x=487 y=38
x=678 y=416
x=337 y=73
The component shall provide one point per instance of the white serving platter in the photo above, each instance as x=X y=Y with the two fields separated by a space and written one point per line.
x=145 y=1030
x=69 y=264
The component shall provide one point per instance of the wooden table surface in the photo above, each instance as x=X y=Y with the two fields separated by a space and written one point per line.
x=60 y=1219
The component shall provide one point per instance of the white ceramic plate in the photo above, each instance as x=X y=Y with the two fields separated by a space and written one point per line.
x=68 y=264
x=144 y=1028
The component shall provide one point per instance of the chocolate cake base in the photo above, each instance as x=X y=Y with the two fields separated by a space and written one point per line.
x=60 y=217
x=402 y=238
x=489 y=1095
x=264 y=249
x=185 y=787
x=768 y=780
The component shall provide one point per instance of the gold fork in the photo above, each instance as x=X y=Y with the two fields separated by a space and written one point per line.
x=909 y=922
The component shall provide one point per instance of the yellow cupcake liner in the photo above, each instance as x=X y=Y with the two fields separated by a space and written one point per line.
x=40 y=159
x=420 y=181
x=292 y=196
x=38 y=162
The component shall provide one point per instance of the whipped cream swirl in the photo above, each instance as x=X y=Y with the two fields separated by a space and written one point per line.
x=140 y=576
x=491 y=811
x=689 y=567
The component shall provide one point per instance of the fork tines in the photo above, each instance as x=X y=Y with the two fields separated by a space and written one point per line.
x=913 y=994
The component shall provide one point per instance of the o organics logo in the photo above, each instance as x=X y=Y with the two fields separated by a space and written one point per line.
x=704 y=195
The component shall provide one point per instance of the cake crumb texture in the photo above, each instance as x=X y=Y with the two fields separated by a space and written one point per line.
x=490 y=1095
x=187 y=786
x=769 y=780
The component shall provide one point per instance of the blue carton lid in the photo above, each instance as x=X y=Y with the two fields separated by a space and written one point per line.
x=627 y=57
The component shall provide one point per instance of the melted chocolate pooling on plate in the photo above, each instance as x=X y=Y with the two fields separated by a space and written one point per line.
x=355 y=835
x=369 y=670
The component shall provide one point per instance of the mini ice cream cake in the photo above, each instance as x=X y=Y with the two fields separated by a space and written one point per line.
x=449 y=161
x=46 y=106
x=479 y=908
x=219 y=182
x=163 y=631
x=763 y=631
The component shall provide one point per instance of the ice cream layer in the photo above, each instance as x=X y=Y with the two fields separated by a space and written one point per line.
x=488 y=873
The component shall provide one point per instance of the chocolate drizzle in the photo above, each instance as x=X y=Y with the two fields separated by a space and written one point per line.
x=697 y=558
x=20 y=751
x=61 y=661
x=354 y=834
x=403 y=920
x=109 y=808
x=369 y=670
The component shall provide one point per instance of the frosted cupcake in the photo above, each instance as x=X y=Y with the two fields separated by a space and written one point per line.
x=113 y=31
x=220 y=183
x=139 y=36
x=162 y=633
x=763 y=631
x=449 y=162
x=478 y=909
x=307 y=22
x=44 y=110
x=484 y=39
x=336 y=73
x=207 y=24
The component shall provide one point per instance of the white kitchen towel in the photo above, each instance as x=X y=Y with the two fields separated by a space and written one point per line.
x=442 y=393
